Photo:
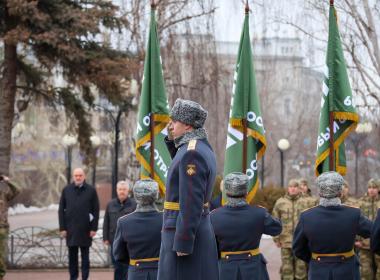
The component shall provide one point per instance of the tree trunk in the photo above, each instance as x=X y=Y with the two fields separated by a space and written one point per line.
x=7 y=100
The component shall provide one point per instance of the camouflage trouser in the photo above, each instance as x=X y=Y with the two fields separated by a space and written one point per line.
x=367 y=266
x=3 y=250
x=291 y=267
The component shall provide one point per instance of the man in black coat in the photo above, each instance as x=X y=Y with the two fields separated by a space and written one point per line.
x=116 y=208
x=78 y=221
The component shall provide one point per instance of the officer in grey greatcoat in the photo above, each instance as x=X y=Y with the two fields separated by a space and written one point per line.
x=188 y=246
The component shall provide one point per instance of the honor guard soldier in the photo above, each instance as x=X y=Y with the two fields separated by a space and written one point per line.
x=238 y=228
x=325 y=234
x=188 y=248
x=138 y=235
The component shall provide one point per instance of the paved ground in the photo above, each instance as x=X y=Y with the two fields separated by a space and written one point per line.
x=98 y=274
x=49 y=219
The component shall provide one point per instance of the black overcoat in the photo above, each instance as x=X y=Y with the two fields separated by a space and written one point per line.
x=115 y=210
x=78 y=214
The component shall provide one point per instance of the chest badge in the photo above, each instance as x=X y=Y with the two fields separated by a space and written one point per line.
x=191 y=169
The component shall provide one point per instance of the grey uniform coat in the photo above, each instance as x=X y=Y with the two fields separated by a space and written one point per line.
x=190 y=182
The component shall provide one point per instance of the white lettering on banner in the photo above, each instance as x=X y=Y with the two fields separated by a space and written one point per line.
x=251 y=117
x=325 y=136
x=145 y=123
x=252 y=169
x=146 y=120
x=139 y=128
x=159 y=161
x=146 y=146
x=348 y=101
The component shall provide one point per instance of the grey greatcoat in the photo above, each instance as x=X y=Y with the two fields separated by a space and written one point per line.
x=189 y=182
x=78 y=214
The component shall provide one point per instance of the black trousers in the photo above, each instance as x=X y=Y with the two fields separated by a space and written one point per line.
x=73 y=262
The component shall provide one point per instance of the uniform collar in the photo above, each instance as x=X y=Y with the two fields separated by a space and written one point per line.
x=196 y=134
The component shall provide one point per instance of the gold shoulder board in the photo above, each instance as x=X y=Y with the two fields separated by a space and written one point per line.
x=309 y=208
x=351 y=206
x=192 y=145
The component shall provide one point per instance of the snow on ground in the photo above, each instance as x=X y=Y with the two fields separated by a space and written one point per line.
x=22 y=209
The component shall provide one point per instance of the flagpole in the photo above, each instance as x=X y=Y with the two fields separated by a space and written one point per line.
x=331 y=125
x=331 y=152
x=153 y=7
x=245 y=126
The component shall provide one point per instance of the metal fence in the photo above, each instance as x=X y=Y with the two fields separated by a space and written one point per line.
x=38 y=247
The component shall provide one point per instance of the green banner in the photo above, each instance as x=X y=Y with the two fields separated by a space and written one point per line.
x=153 y=100
x=336 y=98
x=245 y=105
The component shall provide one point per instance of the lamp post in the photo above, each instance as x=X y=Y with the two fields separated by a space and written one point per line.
x=115 y=112
x=282 y=145
x=95 y=142
x=114 y=141
x=68 y=142
x=361 y=130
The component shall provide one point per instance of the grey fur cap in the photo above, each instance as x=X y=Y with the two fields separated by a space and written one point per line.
x=145 y=191
x=188 y=112
x=330 y=184
x=236 y=184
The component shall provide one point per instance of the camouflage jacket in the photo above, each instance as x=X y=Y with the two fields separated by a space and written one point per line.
x=7 y=192
x=369 y=207
x=306 y=201
x=350 y=201
x=285 y=209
